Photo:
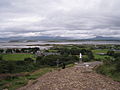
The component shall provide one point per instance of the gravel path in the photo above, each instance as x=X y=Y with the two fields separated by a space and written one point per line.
x=79 y=77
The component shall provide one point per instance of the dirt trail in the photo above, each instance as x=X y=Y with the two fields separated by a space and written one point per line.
x=79 y=77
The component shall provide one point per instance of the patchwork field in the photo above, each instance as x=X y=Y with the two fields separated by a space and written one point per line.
x=100 y=51
x=16 y=57
x=97 y=53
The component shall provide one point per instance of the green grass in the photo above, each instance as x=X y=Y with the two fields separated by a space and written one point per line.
x=109 y=70
x=39 y=73
x=16 y=57
x=100 y=51
x=13 y=84
x=101 y=57
x=54 y=51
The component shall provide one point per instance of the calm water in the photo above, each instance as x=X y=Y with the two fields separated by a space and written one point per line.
x=40 y=43
x=23 y=45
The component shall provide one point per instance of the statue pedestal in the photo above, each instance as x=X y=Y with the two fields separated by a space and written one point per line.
x=80 y=61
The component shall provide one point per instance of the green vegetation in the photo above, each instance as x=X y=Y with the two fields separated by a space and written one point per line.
x=14 y=66
x=100 y=54
x=30 y=66
x=16 y=82
x=104 y=53
x=51 y=59
x=111 y=66
x=110 y=71
x=100 y=51
x=100 y=57
x=17 y=57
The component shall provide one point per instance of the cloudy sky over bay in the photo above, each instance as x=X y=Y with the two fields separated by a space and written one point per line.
x=64 y=18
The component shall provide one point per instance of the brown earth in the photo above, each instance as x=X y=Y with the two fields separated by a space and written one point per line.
x=79 y=77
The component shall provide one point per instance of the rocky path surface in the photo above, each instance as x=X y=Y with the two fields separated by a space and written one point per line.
x=79 y=77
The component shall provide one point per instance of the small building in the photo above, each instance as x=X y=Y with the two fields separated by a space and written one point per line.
x=101 y=53
x=38 y=53
x=50 y=53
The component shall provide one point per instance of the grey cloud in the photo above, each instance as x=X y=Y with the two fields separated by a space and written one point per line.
x=81 y=18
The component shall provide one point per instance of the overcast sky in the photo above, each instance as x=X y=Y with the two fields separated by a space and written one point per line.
x=64 y=18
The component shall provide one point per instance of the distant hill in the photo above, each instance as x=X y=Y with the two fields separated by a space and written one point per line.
x=41 y=38
x=104 y=38
x=50 y=38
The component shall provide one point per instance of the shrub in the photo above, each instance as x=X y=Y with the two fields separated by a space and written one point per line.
x=28 y=60
x=110 y=53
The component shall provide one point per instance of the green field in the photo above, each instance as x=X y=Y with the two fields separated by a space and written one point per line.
x=102 y=57
x=16 y=57
x=96 y=52
x=100 y=51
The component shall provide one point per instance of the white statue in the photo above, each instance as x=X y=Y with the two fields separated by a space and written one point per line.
x=80 y=55
x=80 y=60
